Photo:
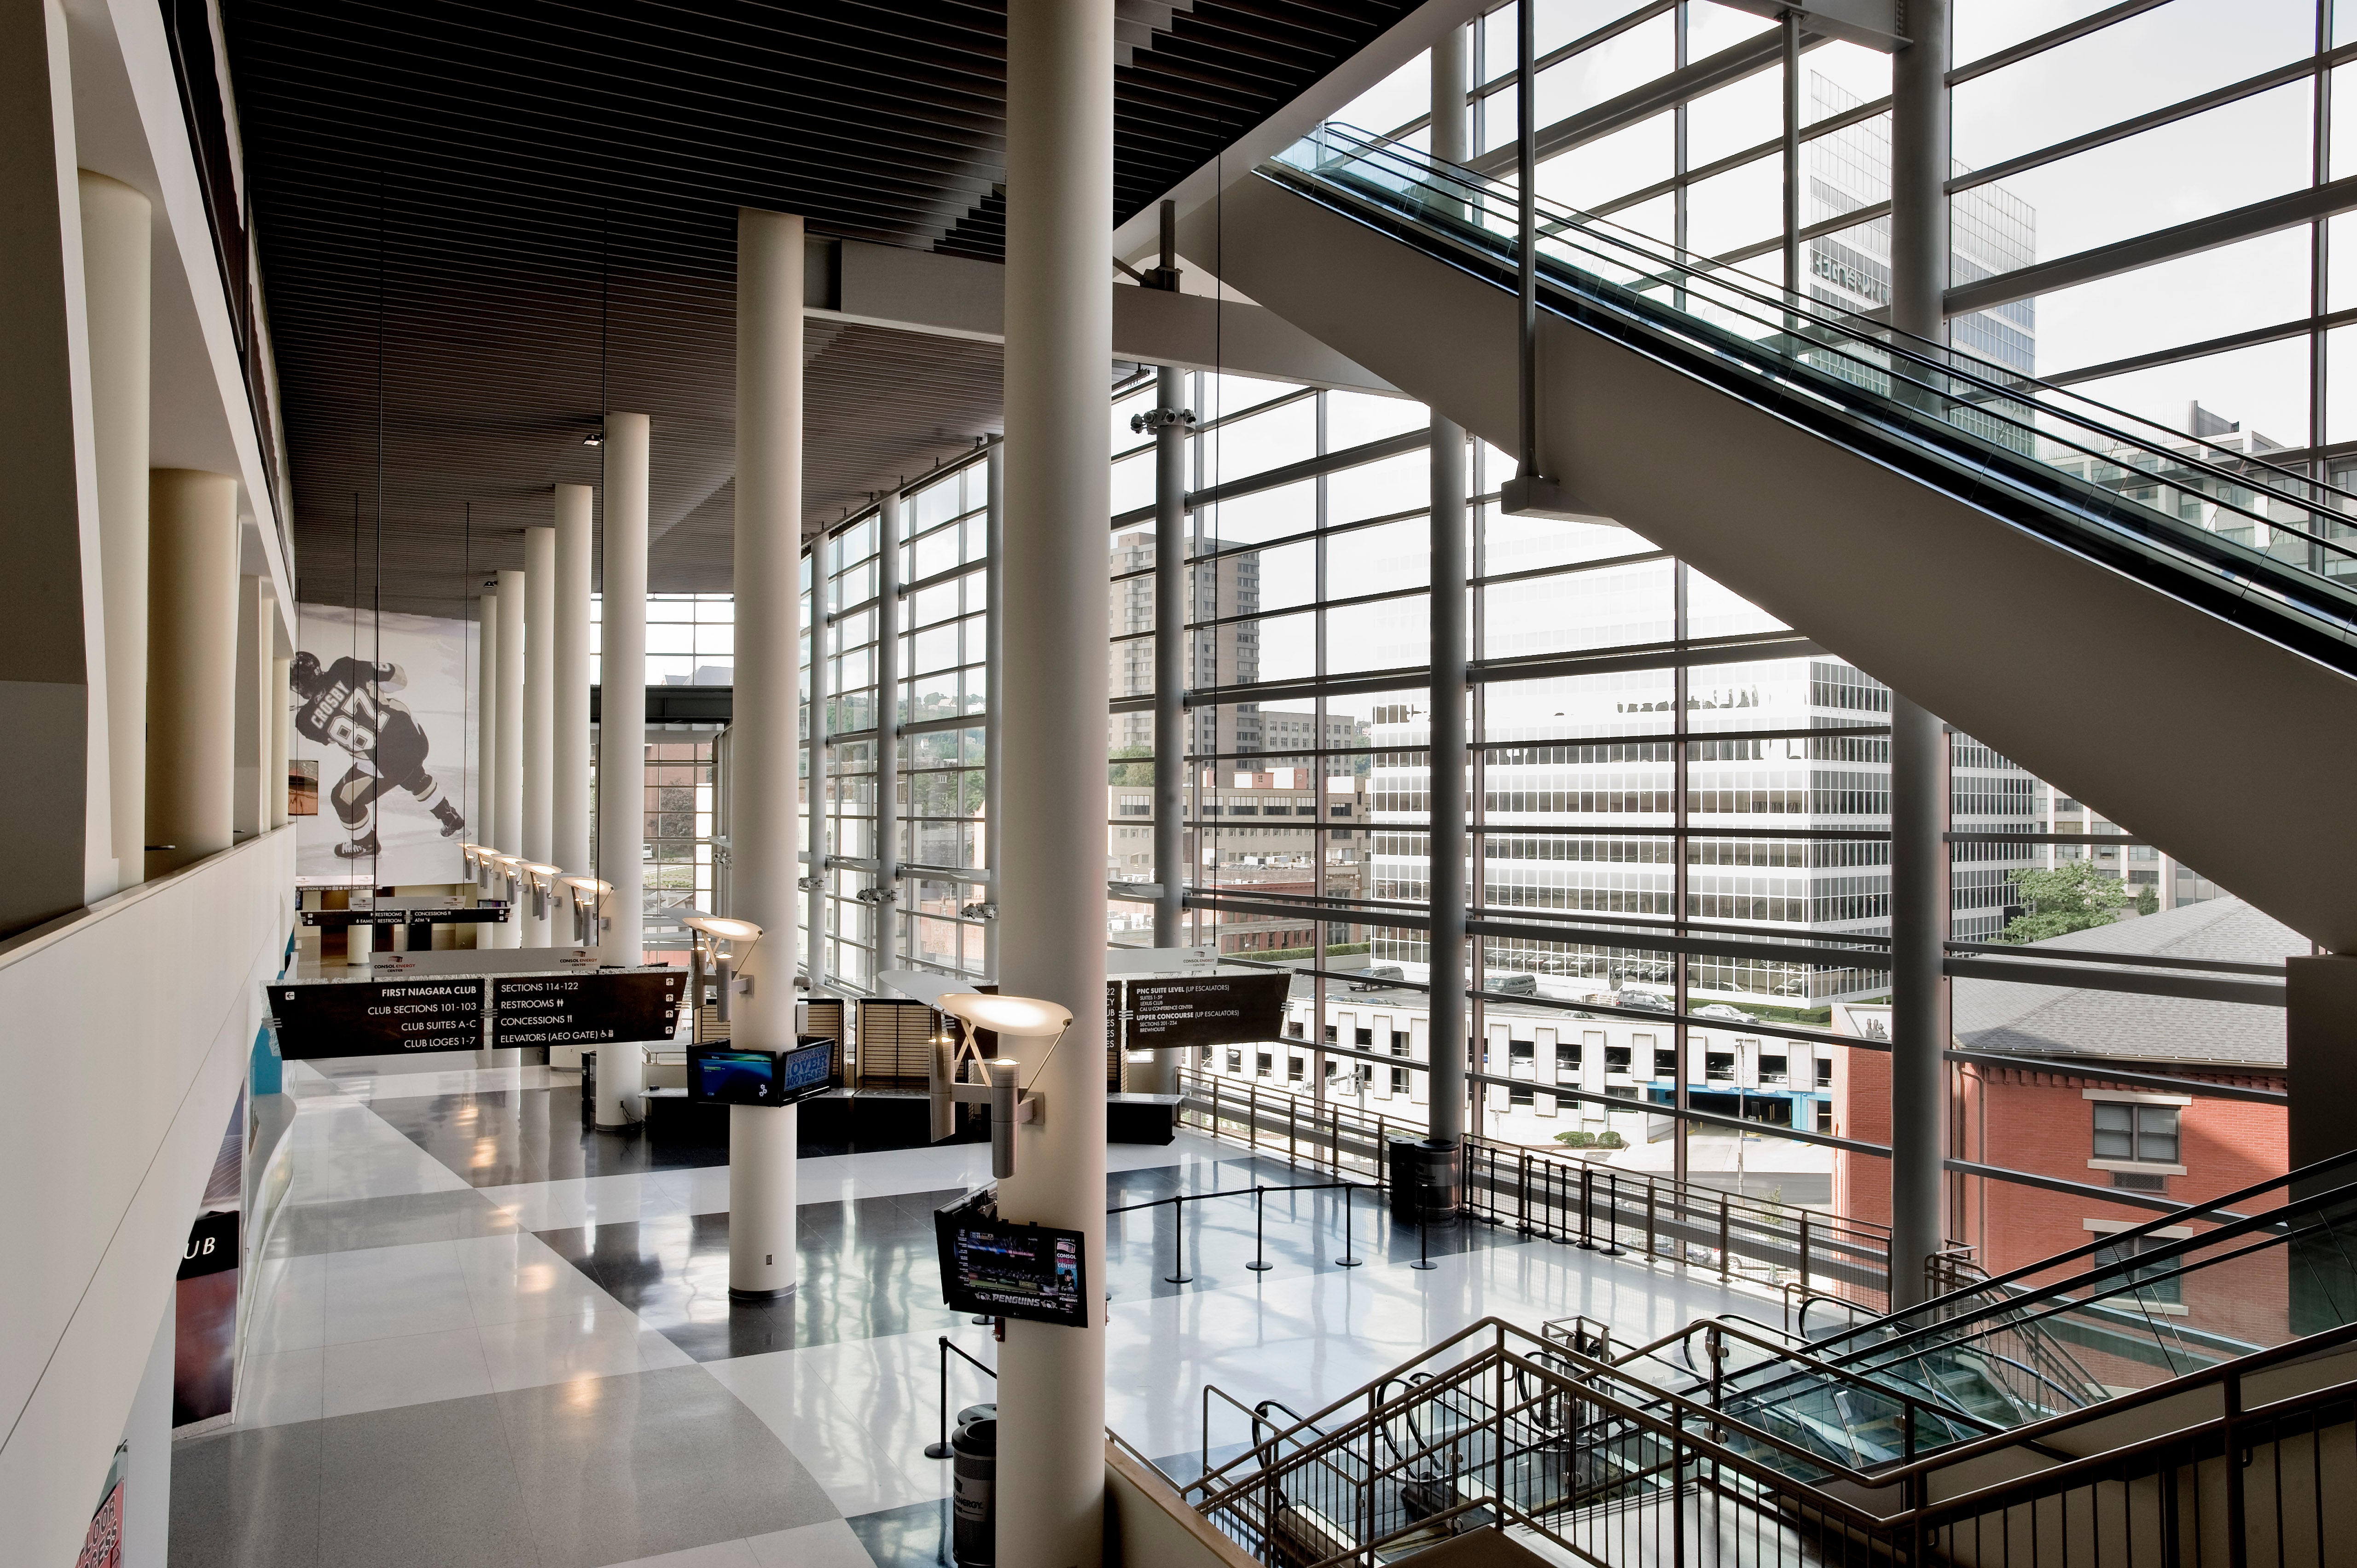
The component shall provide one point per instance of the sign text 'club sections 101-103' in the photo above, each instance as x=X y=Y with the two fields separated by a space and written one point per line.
x=321 y=1019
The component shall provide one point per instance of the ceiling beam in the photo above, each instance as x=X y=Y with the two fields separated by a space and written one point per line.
x=961 y=296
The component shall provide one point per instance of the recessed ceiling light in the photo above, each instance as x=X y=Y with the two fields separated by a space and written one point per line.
x=594 y=438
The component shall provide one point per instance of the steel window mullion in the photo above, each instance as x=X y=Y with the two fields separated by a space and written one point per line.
x=2030 y=47
x=2153 y=119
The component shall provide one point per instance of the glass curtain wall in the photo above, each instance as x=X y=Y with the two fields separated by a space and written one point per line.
x=1678 y=807
x=939 y=619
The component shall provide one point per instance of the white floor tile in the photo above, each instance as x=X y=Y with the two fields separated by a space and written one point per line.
x=272 y=1390
x=601 y=1343
x=519 y=1279
x=383 y=1292
x=417 y=1368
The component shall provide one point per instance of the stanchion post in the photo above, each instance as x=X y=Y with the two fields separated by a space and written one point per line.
x=1178 y=1274
x=940 y=1450
x=1346 y=1260
x=1260 y=1263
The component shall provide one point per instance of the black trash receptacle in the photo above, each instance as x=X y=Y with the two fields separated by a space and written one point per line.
x=1425 y=1178
x=973 y=1506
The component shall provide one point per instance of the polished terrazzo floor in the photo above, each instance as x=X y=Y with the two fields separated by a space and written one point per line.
x=482 y=1335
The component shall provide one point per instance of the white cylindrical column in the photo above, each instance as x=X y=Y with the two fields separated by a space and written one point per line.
x=191 y=666
x=568 y=795
x=250 y=812
x=507 y=789
x=116 y=237
x=484 y=815
x=1051 y=895
x=621 y=741
x=539 y=738
x=888 y=734
x=280 y=718
x=765 y=739
x=762 y=1147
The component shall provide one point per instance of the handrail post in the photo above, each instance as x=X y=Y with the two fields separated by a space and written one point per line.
x=2237 y=1548
x=1346 y=1260
x=1804 y=1251
x=1652 y=1243
x=1725 y=1259
x=1523 y=1195
x=1260 y=1263
x=1612 y=1213
x=1586 y=1207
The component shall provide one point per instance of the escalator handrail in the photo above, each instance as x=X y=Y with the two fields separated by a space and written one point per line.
x=2100 y=505
x=1945 y=360
x=2308 y=612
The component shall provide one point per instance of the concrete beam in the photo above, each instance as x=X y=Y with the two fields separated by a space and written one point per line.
x=961 y=296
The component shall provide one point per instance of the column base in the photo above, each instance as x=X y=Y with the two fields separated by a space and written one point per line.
x=759 y=1295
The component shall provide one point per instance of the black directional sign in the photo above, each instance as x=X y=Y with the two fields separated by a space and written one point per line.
x=591 y=1008
x=1206 y=1010
x=319 y=1019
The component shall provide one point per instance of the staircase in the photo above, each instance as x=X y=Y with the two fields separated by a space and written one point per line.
x=2056 y=1409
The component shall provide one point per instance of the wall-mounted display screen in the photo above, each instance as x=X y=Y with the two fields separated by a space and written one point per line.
x=999 y=1269
x=723 y=1075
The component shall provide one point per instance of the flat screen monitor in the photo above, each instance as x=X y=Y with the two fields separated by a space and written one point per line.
x=1000 y=1269
x=727 y=1075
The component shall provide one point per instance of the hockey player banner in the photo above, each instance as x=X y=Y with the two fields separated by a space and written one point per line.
x=381 y=709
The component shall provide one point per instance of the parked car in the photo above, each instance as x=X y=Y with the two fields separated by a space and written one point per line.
x=1722 y=1011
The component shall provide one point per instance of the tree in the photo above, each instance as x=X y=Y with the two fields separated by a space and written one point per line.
x=2147 y=900
x=2073 y=896
x=1118 y=772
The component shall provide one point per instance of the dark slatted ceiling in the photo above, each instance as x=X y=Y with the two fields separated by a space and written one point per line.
x=513 y=214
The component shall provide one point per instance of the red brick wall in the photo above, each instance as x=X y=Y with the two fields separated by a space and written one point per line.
x=2043 y=1124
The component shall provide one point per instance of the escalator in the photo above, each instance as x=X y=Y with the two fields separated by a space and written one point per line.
x=2050 y=574
x=2189 y=1291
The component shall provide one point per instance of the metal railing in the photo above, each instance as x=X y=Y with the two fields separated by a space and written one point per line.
x=2250 y=1462
x=1558 y=1196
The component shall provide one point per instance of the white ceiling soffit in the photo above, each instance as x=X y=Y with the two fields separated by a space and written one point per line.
x=1141 y=236
x=961 y=296
x=1873 y=24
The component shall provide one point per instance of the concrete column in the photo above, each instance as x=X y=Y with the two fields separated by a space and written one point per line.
x=1919 y=172
x=250 y=813
x=116 y=237
x=485 y=815
x=539 y=737
x=568 y=789
x=53 y=654
x=887 y=734
x=765 y=739
x=1170 y=598
x=191 y=666
x=994 y=688
x=1058 y=320
x=281 y=720
x=621 y=739
x=1451 y=139
x=814 y=788
x=1919 y=874
x=508 y=789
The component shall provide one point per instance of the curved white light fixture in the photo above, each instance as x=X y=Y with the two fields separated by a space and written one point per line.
x=723 y=927
x=590 y=885
x=1020 y=1017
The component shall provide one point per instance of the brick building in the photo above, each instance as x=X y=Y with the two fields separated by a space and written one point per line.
x=2050 y=1111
